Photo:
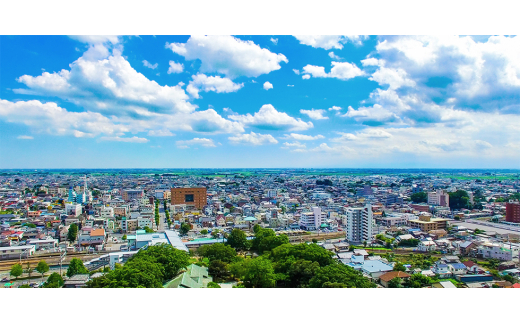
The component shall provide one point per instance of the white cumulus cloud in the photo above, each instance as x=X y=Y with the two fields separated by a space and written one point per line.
x=150 y=65
x=253 y=138
x=267 y=86
x=133 y=139
x=315 y=114
x=342 y=71
x=175 y=67
x=329 y=41
x=202 y=82
x=270 y=119
x=203 y=142
x=297 y=136
x=229 y=56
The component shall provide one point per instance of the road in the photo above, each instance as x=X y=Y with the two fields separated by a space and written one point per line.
x=487 y=226
x=162 y=219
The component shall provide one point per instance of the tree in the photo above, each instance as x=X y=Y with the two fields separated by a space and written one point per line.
x=148 y=268
x=300 y=273
x=185 y=227
x=72 y=233
x=76 y=267
x=339 y=273
x=29 y=270
x=148 y=230
x=218 y=251
x=395 y=283
x=399 y=267
x=418 y=281
x=459 y=200
x=170 y=259
x=213 y=285
x=215 y=233
x=510 y=279
x=140 y=273
x=260 y=274
x=16 y=270
x=54 y=281
x=42 y=267
x=204 y=231
x=218 y=269
x=124 y=237
x=421 y=197
x=237 y=239
x=267 y=240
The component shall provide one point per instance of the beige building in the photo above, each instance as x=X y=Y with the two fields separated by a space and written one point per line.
x=426 y=223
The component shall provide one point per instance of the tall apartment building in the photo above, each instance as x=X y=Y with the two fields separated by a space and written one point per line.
x=513 y=212
x=272 y=193
x=129 y=195
x=73 y=209
x=360 y=222
x=194 y=196
x=439 y=197
x=312 y=220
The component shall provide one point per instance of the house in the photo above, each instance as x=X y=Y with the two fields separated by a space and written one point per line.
x=437 y=234
x=329 y=247
x=221 y=221
x=445 y=284
x=426 y=246
x=457 y=268
x=467 y=247
x=498 y=251
x=442 y=270
x=404 y=237
x=92 y=238
x=370 y=268
x=77 y=281
x=515 y=272
x=386 y=278
x=194 y=277
x=450 y=259
x=361 y=252
x=341 y=247
x=472 y=267
x=506 y=265
x=345 y=257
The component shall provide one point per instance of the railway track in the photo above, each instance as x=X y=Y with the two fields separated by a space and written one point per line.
x=50 y=259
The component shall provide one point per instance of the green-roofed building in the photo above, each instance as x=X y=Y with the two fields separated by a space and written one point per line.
x=194 y=277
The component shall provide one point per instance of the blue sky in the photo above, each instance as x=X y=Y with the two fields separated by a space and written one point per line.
x=259 y=101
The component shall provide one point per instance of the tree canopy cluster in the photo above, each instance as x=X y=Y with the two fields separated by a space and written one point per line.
x=148 y=268
x=459 y=200
x=326 y=182
x=287 y=265
x=420 y=197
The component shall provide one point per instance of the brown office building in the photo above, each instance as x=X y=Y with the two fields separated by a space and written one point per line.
x=513 y=212
x=195 y=196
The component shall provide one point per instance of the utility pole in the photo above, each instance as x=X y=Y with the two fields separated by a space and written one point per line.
x=62 y=256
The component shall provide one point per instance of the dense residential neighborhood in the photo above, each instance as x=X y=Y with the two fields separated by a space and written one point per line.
x=380 y=230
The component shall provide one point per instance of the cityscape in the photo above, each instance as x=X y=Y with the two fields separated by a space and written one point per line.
x=259 y=161
x=259 y=228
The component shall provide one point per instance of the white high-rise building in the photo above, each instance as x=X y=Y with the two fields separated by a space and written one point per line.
x=360 y=222
x=272 y=193
x=438 y=197
x=312 y=220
